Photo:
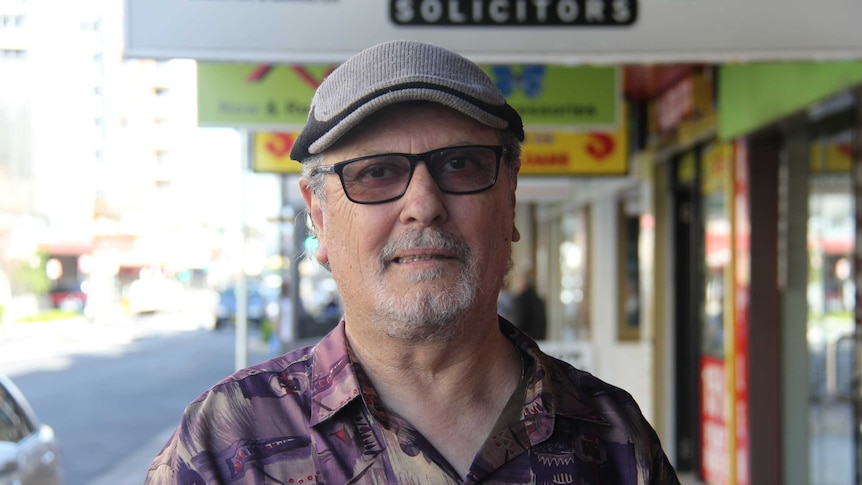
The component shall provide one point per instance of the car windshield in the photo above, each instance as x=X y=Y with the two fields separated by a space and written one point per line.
x=14 y=425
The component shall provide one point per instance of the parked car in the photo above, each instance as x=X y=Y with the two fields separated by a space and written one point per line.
x=29 y=451
x=69 y=297
x=257 y=307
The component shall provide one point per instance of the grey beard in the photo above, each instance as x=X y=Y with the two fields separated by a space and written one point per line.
x=428 y=314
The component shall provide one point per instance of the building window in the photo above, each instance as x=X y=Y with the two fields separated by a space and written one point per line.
x=93 y=25
x=13 y=54
x=12 y=21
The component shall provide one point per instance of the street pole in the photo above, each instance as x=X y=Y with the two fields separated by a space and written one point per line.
x=241 y=342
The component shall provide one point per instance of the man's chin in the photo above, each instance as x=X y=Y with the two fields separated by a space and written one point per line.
x=429 y=311
x=425 y=328
x=429 y=275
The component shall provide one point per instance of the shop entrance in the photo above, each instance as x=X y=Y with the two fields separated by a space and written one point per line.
x=831 y=304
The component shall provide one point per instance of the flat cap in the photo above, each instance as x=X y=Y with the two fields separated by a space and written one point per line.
x=395 y=72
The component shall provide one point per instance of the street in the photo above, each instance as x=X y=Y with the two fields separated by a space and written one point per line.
x=114 y=392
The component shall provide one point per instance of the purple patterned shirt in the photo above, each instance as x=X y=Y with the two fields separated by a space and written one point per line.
x=311 y=417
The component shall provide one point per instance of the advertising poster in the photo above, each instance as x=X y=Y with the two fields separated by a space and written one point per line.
x=742 y=283
x=715 y=440
x=549 y=98
x=271 y=152
x=716 y=418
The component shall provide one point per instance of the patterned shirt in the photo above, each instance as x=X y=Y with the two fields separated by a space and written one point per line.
x=311 y=417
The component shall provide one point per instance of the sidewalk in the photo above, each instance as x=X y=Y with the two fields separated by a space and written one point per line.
x=30 y=346
x=133 y=468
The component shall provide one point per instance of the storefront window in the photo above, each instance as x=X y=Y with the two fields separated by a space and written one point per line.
x=831 y=304
x=574 y=271
x=630 y=289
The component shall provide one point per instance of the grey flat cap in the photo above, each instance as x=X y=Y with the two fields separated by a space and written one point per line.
x=395 y=72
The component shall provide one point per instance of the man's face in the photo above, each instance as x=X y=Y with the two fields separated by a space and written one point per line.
x=420 y=265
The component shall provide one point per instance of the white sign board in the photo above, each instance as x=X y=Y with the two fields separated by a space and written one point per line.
x=579 y=354
x=510 y=31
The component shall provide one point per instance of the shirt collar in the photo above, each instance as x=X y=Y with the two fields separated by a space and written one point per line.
x=335 y=383
x=333 y=379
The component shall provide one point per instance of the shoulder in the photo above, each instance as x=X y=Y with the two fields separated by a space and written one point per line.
x=610 y=414
x=564 y=389
x=274 y=386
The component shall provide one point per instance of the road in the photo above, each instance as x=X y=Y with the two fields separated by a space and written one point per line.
x=113 y=392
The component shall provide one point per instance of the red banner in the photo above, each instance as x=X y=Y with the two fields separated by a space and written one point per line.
x=715 y=441
x=742 y=283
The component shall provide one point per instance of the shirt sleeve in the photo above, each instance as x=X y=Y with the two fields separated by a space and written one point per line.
x=164 y=468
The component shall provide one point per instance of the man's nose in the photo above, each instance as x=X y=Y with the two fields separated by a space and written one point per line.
x=423 y=201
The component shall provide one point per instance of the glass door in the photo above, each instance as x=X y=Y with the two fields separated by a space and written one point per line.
x=831 y=310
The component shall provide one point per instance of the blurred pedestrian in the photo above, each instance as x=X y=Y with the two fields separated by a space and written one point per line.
x=530 y=312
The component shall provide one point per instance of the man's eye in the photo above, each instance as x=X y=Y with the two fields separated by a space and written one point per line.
x=380 y=171
x=460 y=162
x=457 y=163
x=376 y=172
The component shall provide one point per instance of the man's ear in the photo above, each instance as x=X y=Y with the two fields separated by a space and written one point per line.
x=315 y=211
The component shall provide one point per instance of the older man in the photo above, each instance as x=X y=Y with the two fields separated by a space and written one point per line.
x=410 y=163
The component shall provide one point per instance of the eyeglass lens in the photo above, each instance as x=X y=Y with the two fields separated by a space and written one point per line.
x=456 y=170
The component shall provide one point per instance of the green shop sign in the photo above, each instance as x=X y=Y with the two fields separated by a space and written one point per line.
x=267 y=97
x=751 y=96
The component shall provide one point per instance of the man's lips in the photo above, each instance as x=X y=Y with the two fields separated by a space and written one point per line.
x=419 y=255
x=417 y=258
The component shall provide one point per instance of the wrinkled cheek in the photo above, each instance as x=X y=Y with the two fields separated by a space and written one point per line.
x=348 y=257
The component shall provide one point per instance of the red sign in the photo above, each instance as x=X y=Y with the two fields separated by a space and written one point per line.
x=714 y=440
x=676 y=104
x=742 y=274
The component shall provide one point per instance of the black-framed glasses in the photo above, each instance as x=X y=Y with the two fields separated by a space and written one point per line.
x=376 y=179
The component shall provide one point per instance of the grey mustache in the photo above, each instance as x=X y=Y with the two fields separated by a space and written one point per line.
x=434 y=238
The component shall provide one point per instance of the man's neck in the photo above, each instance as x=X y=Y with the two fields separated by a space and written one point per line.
x=451 y=392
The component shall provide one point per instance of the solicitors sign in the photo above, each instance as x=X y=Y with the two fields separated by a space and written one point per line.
x=519 y=13
x=496 y=31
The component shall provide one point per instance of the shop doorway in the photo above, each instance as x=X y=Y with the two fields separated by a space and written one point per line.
x=831 y=305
